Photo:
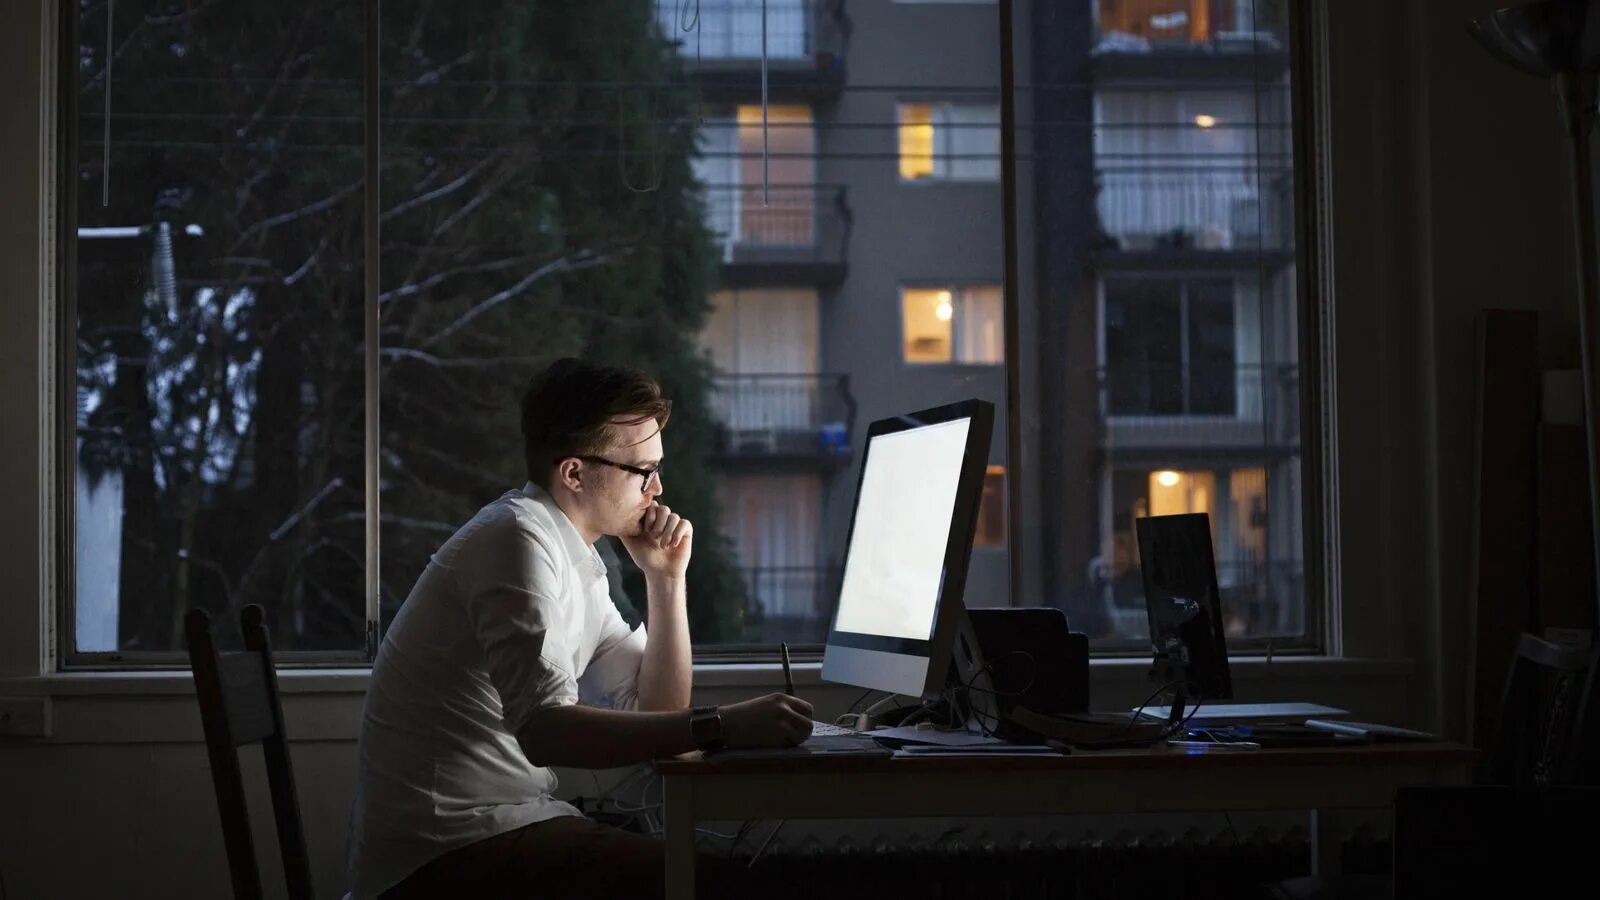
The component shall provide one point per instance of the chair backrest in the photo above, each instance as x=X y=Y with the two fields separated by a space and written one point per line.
x=1549 y=725
x=238 y=694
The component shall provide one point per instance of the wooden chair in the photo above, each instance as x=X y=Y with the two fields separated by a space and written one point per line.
x=238 y=694
x=1548 y=732
x=1447 y=839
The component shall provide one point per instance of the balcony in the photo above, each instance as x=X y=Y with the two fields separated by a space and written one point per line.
x=1188 y=40
x=795 y=234
x=783 y=421
x=720 y=42
x=1183 y=217
x=1155 y=410
x=788 y=603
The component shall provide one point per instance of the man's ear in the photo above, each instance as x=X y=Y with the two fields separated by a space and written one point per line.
x=569 y=472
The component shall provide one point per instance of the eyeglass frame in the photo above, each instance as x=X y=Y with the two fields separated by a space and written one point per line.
x=652 y=472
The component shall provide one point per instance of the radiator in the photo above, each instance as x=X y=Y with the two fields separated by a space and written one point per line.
x=1189 y=866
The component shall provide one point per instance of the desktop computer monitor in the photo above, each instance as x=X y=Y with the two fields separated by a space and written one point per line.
x=1184 y=605
x=900 y=620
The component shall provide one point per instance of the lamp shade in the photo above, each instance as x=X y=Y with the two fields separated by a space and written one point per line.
x=1544 y=38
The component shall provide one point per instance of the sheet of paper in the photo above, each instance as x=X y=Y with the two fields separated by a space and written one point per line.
x=1244 y=711
x=1001 y=749
x=934 y=736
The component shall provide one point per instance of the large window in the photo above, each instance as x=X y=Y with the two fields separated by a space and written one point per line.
x=278 y=401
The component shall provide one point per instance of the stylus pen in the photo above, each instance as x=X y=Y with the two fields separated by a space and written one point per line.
x=788 y=676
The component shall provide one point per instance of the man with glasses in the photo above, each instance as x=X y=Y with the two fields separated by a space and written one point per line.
x=508 y=657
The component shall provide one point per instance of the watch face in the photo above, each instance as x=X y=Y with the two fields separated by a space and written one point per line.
x=706 y=727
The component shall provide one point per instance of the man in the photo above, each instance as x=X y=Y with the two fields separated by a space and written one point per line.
x=508 y=657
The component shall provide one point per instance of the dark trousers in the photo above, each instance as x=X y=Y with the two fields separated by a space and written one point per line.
x=568 y=856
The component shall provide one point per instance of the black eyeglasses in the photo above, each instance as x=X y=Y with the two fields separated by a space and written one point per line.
x=652 y=472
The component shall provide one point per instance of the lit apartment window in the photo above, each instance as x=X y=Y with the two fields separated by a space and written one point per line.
x=1159 y=21
x=953 y=325
x=992 y=509
x=949 y=141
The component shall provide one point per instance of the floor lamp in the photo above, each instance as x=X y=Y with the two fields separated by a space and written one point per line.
x=1560 y=39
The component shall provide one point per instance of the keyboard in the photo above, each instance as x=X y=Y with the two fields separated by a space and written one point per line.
x=824 y=729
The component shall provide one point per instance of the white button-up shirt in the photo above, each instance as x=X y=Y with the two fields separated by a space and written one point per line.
x=511 y=615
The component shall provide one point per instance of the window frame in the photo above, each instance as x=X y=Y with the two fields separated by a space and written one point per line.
x=55 y=604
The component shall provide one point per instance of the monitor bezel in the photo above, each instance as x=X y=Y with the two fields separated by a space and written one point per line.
x=949 y=606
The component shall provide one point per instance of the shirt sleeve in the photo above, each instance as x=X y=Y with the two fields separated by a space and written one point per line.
x=612 y=677
x=512 y=586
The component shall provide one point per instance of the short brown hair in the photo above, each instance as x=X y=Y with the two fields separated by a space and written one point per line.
x=568 y=410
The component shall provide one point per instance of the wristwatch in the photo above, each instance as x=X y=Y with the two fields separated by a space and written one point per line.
x=705 y=725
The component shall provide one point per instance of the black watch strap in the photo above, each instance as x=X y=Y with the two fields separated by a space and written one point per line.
x=705 y=726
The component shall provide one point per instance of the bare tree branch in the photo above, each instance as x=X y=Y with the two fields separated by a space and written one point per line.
x=307 y=210
x=578 y=262
x=180 y=18
x=465 y=362
x=489 y=190
x=297 y=274
x=406 y=290
x=454 y=185
x=433 y=75
x=402 y=521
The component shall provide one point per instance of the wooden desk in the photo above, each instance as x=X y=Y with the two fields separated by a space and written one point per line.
x=1320 y=781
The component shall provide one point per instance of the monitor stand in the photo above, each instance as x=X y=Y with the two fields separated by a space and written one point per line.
x=1168 y=670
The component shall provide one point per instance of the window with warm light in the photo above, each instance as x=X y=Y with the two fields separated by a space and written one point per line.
x=963 y=325
x=948 y=141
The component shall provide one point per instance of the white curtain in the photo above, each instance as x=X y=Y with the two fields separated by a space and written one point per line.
x=1161 y=171
x=966 y=140
x=731 y=29
x=764 y=344
x=980 y=324
x=773 y=521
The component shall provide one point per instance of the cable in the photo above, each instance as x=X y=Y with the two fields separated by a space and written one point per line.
x=763 y=847
x=1231 y=829
x=864 y=695
x=738 y=837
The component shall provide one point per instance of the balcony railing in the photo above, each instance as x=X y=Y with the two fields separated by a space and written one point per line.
x=1260 y=598
x=784 y=415
x=790 y=223
x=724 y=31
x=1222 y=26
x=788 y=592
x=1240 y=208
x=1178 y=406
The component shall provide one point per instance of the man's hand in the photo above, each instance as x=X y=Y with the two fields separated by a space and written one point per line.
x=664 y=543
x=776 y=720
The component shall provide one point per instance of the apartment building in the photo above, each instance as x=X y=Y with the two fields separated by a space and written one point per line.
x=859 y=216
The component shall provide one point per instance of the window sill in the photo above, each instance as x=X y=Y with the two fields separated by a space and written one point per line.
x=1252 y=670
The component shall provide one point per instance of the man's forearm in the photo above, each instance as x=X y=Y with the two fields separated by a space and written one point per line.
x=588 y=738
x=666 y=673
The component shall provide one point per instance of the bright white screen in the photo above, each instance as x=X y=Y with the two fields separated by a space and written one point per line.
x=902 y=525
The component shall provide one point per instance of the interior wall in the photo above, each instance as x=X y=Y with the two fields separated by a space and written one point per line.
x=1496 y=216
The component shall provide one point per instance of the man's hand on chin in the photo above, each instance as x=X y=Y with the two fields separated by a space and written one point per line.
x=663 y=543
